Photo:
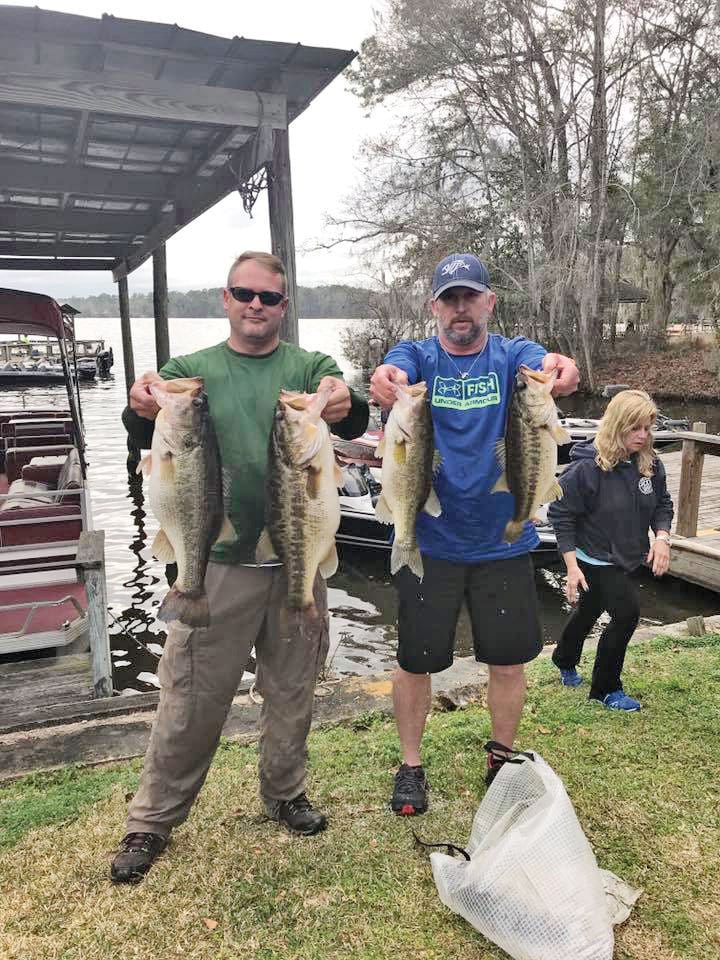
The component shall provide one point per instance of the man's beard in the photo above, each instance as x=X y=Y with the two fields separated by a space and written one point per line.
x=469 y=336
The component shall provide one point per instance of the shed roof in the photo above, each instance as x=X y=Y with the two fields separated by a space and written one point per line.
x=116 y=133
x=629 y=293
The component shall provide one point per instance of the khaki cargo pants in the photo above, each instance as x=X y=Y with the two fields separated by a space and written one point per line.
x=199 y=672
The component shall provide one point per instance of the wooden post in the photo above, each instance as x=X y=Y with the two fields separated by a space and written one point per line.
x=133 y=458
x=160 y=306
x=282 y=231
x=90 y=564
x=691 y=467
x=128 y=359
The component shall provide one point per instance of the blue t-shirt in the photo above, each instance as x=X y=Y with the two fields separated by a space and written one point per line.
x=469 y=418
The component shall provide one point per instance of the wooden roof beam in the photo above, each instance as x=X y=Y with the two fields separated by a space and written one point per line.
x=111 y=249
x=62 y=178
x=49 y=263
x=243 y=164
x=133 y=95
x=75 y=220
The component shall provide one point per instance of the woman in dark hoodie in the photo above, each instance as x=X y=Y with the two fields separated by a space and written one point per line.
x=614 y=490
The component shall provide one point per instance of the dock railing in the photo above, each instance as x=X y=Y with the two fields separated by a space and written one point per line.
x=90 y=564
x=696 y=444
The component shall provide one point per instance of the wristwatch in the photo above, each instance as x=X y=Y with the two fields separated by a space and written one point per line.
x=663 y=535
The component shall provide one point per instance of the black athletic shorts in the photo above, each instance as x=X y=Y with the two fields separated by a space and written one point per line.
x=502 y=602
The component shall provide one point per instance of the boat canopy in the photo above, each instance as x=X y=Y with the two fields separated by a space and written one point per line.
x=32 y=313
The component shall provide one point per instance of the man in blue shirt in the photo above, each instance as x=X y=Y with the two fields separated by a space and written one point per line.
x=470 y=374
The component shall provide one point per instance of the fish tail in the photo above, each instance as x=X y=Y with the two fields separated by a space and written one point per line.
x=189 y=608
x=513 y=530
x=406 y=555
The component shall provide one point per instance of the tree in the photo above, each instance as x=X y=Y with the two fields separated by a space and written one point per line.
x=517 y=131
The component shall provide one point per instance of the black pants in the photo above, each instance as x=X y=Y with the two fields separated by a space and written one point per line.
x=611 y=590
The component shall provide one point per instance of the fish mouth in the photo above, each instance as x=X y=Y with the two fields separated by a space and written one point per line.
x=537 y=376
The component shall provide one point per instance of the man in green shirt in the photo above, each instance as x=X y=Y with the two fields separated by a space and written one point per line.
x=201 y=668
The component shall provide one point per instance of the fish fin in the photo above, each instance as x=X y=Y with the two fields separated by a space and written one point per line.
x=560 y=434
x=380 y=449
x=513 y=530
x=166 y=468
x=162 y=548
x=329 y=564
x=338 y=475
x=436 y=462
x=501 y=484
x=432 y=504
x=309 y=431
x=500 y=453
x=191 y=609
x=406 y=555
x=145 y=465
x=383 y=513
x=227 y=532
x=553 y=492
x=312 y=484
x=264 y=550
x=400 y=453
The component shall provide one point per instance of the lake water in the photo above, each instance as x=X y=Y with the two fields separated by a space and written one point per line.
x=362 y=599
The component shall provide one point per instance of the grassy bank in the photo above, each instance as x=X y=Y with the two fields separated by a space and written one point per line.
x=232 y=885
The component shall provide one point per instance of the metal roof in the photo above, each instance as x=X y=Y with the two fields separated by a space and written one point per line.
x=629 y=293
x=116 y=133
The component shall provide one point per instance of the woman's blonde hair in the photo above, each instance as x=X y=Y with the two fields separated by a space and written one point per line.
x=626 y=411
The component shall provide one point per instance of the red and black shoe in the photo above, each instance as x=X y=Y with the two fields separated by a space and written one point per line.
x=410 y=795
x=497 y=755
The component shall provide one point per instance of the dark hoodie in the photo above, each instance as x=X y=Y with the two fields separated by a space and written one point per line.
x=607 y=513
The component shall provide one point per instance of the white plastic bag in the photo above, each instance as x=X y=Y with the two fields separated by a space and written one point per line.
x=532 y=885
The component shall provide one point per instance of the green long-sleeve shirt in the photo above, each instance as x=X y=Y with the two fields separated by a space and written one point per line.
x=242 y=392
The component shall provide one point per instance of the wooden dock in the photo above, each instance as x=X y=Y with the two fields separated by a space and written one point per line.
x=693 y=476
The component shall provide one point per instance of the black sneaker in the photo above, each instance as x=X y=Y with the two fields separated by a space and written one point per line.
x=497 y=755
x=136 y=854
x=299 y=816
x=410 y=795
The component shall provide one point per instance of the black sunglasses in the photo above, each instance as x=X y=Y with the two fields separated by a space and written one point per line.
x=268 y=298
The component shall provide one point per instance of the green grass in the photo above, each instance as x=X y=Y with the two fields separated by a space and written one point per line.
x=645 y=788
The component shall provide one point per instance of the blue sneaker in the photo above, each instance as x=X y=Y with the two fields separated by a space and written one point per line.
x=570 y=678
x=619 y=700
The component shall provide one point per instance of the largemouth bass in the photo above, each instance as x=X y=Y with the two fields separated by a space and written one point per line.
x=528 y=453
x=407 y=450
x=302 y=505
x=185 y=492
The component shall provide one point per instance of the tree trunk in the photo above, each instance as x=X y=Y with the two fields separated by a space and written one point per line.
x=661 y=288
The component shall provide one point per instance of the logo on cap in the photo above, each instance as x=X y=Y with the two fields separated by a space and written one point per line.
x=451 y=269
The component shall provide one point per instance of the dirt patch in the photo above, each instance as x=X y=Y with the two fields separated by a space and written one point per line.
x=676 y=373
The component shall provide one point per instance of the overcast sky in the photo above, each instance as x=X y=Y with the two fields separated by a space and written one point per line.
x=324 y=149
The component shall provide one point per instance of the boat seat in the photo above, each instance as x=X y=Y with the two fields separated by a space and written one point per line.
x=20 y=434
x=17 y=457
x=55 y=413
x=39 y=610
x=45 y=523
x=46 y=484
